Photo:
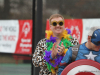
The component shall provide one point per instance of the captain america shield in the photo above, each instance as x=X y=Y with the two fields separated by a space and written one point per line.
x=82 y=67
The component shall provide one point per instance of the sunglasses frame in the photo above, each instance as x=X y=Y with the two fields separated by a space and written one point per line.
x=57 y=22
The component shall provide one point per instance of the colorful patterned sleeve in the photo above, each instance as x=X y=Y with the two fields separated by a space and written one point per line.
x=38 y=56
x=74 y=41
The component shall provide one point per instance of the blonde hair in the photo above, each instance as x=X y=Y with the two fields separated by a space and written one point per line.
x=55 y=16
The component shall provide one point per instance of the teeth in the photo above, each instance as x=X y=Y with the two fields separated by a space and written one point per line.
x=57 y=28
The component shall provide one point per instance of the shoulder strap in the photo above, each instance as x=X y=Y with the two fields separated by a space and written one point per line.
x=75 y=51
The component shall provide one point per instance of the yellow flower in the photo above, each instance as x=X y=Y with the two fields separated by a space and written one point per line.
x=65 y=35
x=49 y=33
x=65 y=51
x=68 y=35
x=54 y=70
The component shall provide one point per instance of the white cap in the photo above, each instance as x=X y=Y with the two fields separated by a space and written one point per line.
x=92 y=29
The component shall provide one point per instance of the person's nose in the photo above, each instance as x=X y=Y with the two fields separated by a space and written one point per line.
x=57 y=24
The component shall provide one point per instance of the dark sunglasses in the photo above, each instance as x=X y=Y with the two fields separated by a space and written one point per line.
x=60 y=23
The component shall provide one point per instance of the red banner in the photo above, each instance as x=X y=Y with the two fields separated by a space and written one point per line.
x=24 y=43
x=16 y=36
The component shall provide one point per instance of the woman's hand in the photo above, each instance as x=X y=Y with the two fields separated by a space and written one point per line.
x=54 y=51
x=60 y=49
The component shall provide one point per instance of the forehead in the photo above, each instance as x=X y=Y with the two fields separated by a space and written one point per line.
x=56 y=19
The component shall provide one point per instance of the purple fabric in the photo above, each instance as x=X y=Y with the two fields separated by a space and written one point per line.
x=57 y=60
x=69 y=31
x=52 y=39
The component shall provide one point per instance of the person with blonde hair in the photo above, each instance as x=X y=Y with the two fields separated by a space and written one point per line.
x=50 y=50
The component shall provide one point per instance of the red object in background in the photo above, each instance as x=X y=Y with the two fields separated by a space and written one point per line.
x=75 y=25
x=24 y=43
x=47 y=25
x=77 y=68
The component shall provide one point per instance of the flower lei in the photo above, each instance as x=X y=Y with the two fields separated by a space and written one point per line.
x=66 y=36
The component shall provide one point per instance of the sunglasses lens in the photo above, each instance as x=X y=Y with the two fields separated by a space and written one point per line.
x=60 y=23
x=54 y=23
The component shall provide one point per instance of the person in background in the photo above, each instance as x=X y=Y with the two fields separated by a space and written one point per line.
x=88 y=50
x=50 y=50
